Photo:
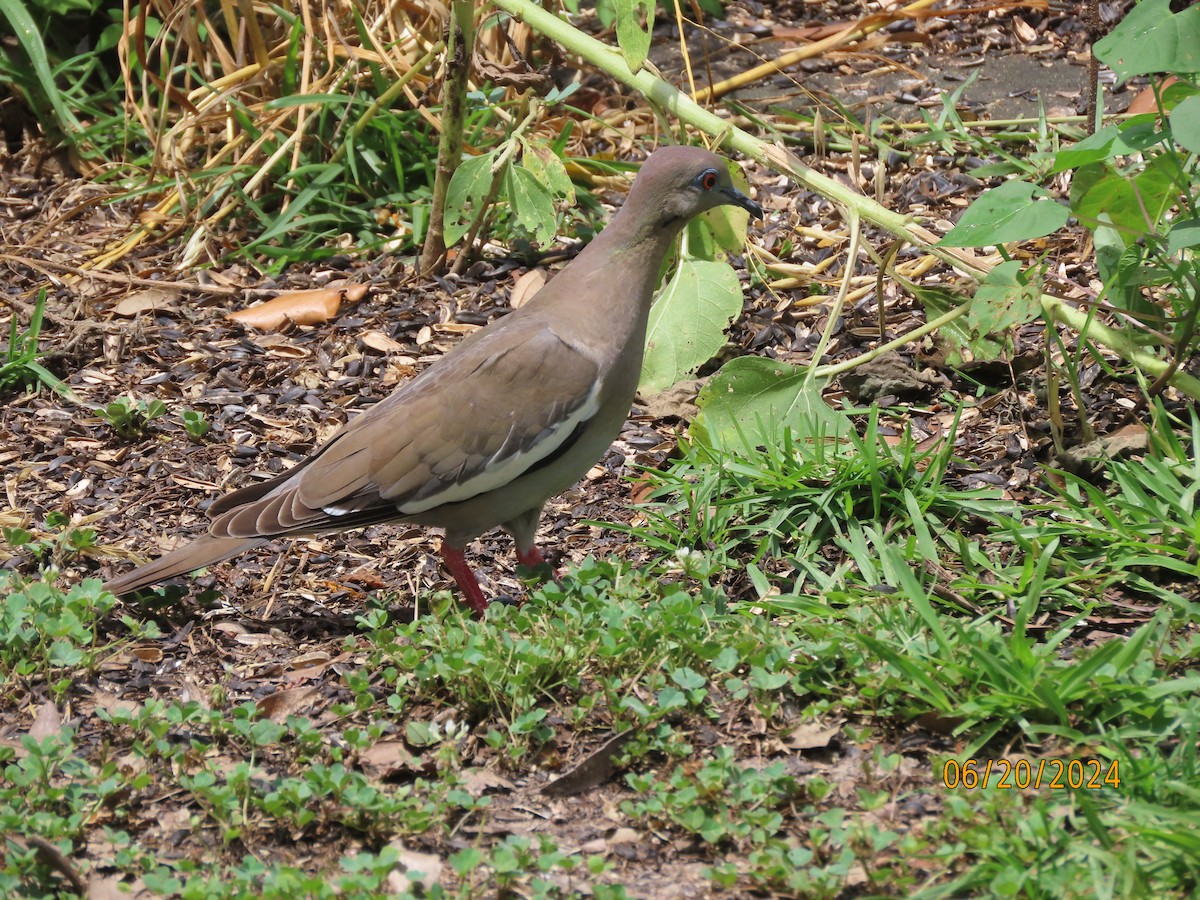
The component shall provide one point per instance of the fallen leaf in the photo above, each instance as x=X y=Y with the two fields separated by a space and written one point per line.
x=810 y=735
x=385 y=758
x=281 y=704
x=595 y=769
x=480 y=781
x=1147 y=100
x=46 y=723
x=301 y=307
x=676 y=402
x=145 y=300
x=624 y=836
x=105 y=888
x=414 y=871
x=526 y=286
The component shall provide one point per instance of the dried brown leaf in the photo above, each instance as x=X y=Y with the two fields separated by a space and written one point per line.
x=288 y=702
x=526 y=286
x=301 y=307
x=385 y=758
x=46 y=723
x=145 y=300
x=810 y=735
x=415 y=871
x=595 y=769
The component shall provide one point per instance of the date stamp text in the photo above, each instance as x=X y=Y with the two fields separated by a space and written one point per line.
x=1022 y=774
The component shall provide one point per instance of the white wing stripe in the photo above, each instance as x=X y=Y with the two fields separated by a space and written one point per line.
x=499 y=472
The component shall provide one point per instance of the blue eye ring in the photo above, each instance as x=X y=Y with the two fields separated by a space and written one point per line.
x=708 y=180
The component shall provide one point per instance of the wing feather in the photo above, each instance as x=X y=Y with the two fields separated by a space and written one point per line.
x=493 y=410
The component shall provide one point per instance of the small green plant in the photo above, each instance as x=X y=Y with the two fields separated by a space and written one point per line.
x=129 y=418
x=1133 y=185
x=47 y=631
x=59 y=543
x=194 y=424
x=20 y=368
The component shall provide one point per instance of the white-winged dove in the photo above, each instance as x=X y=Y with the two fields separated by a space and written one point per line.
x=513 y=415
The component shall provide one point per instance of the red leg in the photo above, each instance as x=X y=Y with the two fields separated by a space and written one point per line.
x=533 y=558
x=456 y=563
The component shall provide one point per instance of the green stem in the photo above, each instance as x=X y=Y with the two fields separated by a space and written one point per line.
x=687 y=110
x=835 y=369
x=1119 y=341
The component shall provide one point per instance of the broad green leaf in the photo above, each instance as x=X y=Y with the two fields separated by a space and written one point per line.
x=1006 y=298
x=1015 y=211
x=632 y=36
x=1152 y=39
x=1185 y=123
x=1109 y=142
x=1110 y=245
x=752 y=400
x=1099 y=193
x=957 y=335
x=548 y=169
x=1158 y=187
x=468 y=188
x=531 y=204
x=688 y=321
x=1183 y=235
x=1132 y=274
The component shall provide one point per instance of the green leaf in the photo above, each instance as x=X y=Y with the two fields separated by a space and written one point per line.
x=1133 y=136
x=548 y=169
x=957 y=333
x=751 y=401
x=1110 y=246
x=688 y=678
x=1100 y=194
x=531 y=204
x=1152 y=39
x=632 y=36
x=1006 y=298
x=1015 y=211
x=1183 y=235
x=1185 y=123
x=468 y=189
x=688 y=321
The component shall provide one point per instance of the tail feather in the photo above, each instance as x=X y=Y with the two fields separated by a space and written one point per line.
x=199 y=553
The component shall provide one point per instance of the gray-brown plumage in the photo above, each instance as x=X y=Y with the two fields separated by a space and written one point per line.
x=513 y=415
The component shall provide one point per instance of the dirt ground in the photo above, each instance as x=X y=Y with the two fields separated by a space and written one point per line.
x=270 y=397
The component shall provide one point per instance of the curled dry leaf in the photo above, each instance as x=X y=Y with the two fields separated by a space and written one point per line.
x=526 y=286
x=144 y=300
x=414 y=871
x=281 y=704
x=384 y=759
x=46 y=723
x=478 y=782
x=595 y=769
x=1147 y=100
x=811 y=735
x=377 y=340
x=301 y=307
